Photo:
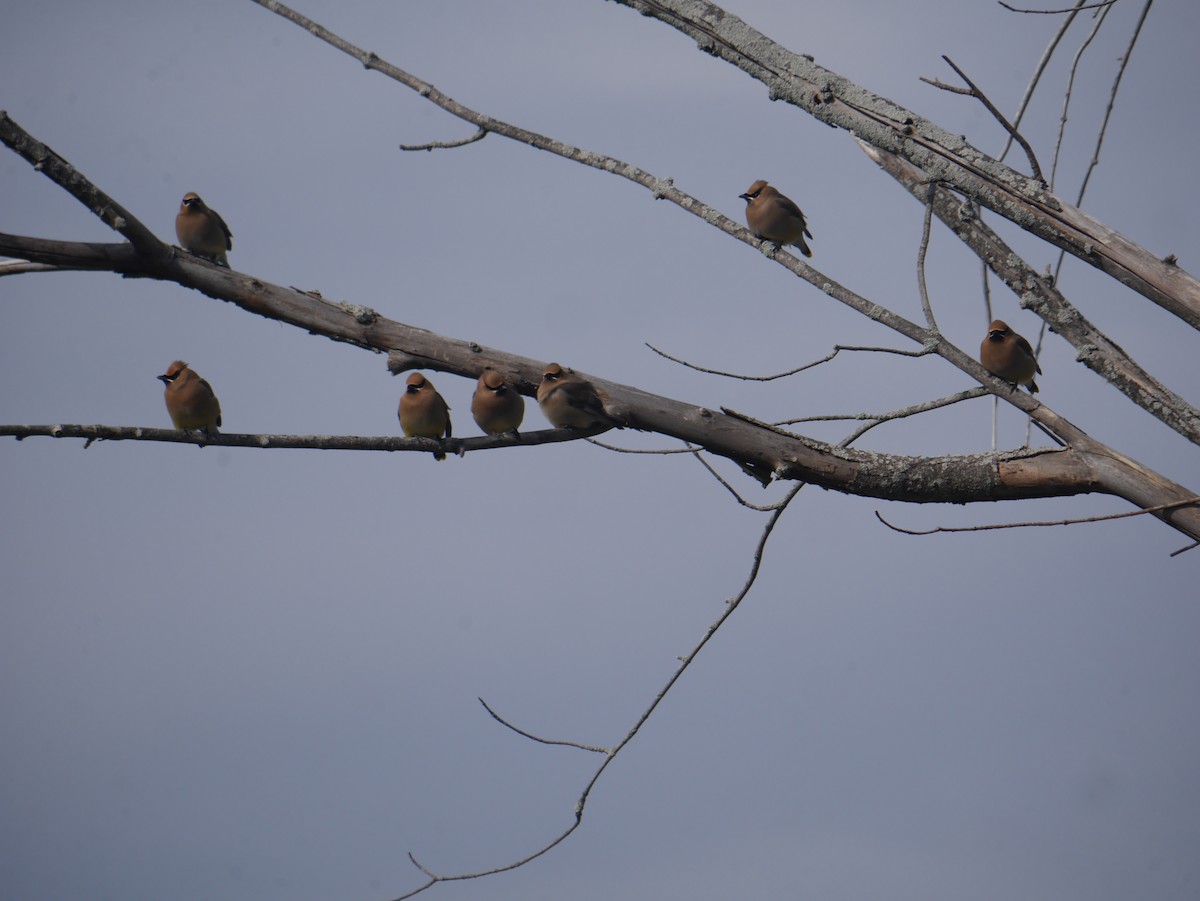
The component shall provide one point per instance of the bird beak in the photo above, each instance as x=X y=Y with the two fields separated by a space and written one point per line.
x=162 y=378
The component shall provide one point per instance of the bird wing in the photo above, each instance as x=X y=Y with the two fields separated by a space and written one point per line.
x=1023 y=343
x=224 y=228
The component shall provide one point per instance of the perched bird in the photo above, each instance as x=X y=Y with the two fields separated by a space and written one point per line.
x=190 y=399
x=1007 y=355
x=773 y=217
x=497 y=408
x=423 y=413
x=202 y=231
x=571 y=402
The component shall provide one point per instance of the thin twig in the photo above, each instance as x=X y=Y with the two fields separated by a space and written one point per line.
x=1112 y=100
x=1000 y=117
x=1054 y=12
x=446 y=145
x=1036 y=78
x=1187 y=502
x=874 y=419
x=544 y=741
x=611 y=754
x=921 y=251
x=837 y=348
x=761 y=508
x=634 y=450
x=1069 y=93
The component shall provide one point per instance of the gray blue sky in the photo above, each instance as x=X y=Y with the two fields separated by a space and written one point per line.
x=253 y=674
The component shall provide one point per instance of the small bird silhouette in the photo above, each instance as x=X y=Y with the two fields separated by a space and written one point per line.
x=496 y=407
x=571 y=402
x=1008 y=356
x=202 y=231
x=190 y=399
x=423 y=413
x=773 y=217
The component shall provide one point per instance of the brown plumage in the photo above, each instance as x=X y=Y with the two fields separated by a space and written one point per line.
x=423 y=413
x=496 y=406
x=190 y=399
x=202 y=230
x=773 y=217
x=571 y=402
x=1008 y=356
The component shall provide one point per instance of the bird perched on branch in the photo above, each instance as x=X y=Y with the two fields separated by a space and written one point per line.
x=1008 y=356
x=571 y=402
x=773 y=217
x=190 y=399
x=496 y=406
x=202 y=231
x=423 y=413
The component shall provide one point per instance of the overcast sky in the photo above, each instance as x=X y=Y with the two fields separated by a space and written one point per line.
x=248 y=674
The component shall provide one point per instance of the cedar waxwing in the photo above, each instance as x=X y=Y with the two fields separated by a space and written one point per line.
x=190 y=399
x=571 y=402
x=773 y=217
x=423 y=413
x=202 y=231
x=1007 y=355
x=497 y=408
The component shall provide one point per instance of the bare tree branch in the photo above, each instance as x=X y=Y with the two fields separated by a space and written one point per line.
x=52 y=165
x=1093 y=348
x=921 y=251
x=611 y=754
x=1068 y=93
x=1086 y=466
x=1112 y=101
x=445 y=145
x=1036 y=524
x=837 y=348
x=874 y=419
x=945 y=157
x=975 y=92
x=1038 y=71
x=1051 y=12
x=544 y=741
x=305 y=442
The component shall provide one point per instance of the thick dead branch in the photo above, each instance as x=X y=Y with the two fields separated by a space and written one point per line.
x=1093 y=348
x=1086 y=466
x=836 y=101
x=63 y=173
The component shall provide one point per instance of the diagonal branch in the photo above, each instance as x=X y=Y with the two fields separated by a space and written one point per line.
x=834 y=100
x=975 y=92
x=1094 y=349
x=732 y=604
x=61 y=172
